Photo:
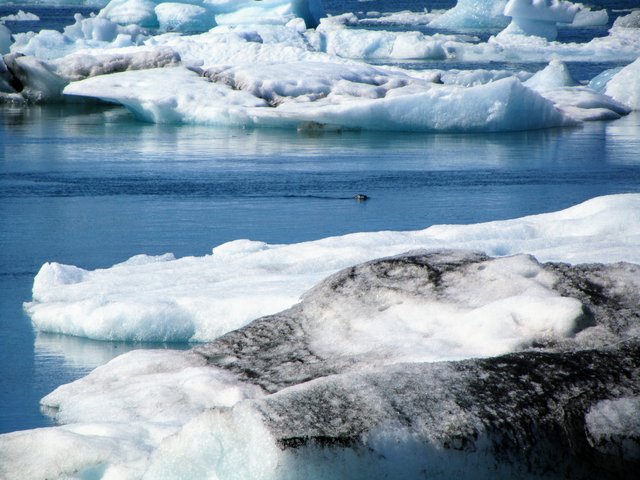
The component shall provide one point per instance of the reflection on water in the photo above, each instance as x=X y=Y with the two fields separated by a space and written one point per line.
x=83 y=354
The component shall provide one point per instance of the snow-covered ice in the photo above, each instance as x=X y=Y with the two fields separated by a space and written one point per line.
x=20 y=16
x=624 y=85
x=343 y=383
x=201 y=298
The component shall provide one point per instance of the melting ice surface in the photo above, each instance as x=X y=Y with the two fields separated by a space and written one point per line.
x=200 y=298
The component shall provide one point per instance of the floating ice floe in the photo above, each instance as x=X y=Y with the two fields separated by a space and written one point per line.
x=538 y=17
x=335 y=95
x=20 y=16
x=475 y=14
x=343 y=384
x=201 y=298
x=556 y=84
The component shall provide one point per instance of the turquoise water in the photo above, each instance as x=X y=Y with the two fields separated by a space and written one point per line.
x=89 y=186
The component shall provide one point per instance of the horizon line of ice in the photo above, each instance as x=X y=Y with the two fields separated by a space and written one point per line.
x=198 y=299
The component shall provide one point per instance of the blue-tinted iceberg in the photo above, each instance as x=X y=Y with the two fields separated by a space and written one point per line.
x=538 y=17
x=624 y=86
x=473 y=14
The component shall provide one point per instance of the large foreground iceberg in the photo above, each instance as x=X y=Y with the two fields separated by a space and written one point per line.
x=350 y=382
x=201 y=298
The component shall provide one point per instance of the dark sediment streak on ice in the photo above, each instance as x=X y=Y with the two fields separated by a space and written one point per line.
x=519 y=414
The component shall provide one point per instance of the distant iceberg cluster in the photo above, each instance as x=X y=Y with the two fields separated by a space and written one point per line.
x=284 y=64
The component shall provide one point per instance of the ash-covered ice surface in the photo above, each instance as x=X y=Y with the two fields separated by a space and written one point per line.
x=430 y=364
x=286 y=64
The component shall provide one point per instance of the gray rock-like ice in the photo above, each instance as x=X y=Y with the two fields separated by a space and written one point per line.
x=430 y=364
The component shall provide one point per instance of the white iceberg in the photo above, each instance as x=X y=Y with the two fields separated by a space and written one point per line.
x=20 y=16
x=201 y=298
x=538 y=17
x=624 y=86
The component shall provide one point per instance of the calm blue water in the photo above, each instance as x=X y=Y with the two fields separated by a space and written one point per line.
x=91 y=187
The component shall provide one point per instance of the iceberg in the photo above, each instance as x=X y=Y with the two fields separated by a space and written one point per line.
x=556 y=84
x=20 y=16
x=352 y=381
x=197 y=15
x=200 y=298
x=473 y=14
x=538 y=17
x=344 y=96
x=624 y=86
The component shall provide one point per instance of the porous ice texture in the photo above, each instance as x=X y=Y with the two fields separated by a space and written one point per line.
x=538 y=17
x=338 y=386
x=201 y=298
x=624 y=86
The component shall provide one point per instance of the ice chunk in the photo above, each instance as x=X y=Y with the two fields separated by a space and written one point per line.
x=538 y=17
x=5 y=39
x=473 y=14
x=184 y=17
x=372 y=44
x=127 y=12
x=556 y=83
x=244 y=280
x=555 y=75
x=590 y=18
x=20 y=16
x=585 y=104
x=624 y=86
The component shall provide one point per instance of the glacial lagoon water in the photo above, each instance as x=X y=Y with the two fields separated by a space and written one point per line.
x=89 y=186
